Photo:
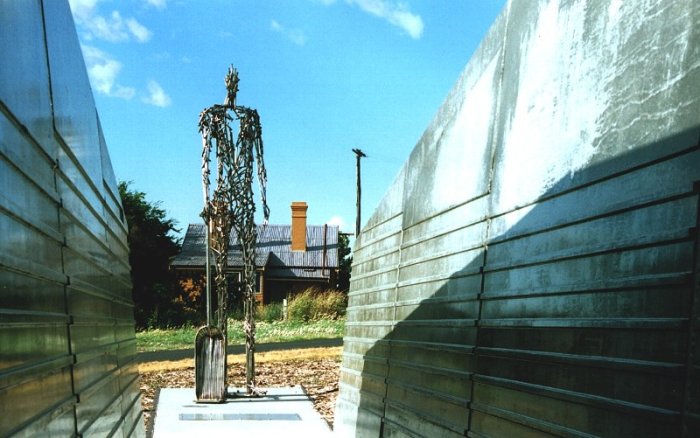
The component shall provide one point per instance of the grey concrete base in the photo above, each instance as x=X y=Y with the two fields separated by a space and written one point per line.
x=288 y=411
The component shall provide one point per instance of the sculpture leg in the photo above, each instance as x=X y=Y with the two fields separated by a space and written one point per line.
x=247 y=239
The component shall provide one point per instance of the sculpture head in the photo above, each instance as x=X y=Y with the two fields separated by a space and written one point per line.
x=231 y=81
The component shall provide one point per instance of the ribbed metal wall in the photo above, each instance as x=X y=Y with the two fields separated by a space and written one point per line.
x=533 y=270
x=67 y=345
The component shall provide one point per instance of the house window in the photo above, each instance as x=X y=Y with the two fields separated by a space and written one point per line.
x=234 y=277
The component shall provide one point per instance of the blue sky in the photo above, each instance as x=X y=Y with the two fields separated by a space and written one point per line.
x=326 y=76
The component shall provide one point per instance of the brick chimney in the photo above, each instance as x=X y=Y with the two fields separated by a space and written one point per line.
x=299 y=226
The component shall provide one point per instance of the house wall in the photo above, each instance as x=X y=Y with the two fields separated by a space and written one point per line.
x=533 y=269
x=67 y=345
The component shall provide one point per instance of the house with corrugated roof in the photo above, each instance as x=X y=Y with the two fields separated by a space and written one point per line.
x=288 y=258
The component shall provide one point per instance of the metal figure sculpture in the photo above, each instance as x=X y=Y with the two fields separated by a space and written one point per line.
x=231 y=205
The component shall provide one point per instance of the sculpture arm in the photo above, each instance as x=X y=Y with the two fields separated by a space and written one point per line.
x=262 y=173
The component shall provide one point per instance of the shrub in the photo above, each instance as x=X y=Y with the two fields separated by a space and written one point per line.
x=300 y=307
x=269 y=312
x=332 y=304
x=236 y=313
x=313 y=304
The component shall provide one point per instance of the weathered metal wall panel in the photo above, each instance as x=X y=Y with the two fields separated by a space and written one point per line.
x=35 y=377
x=370 y=317
x=66 y=317
x=545 y=271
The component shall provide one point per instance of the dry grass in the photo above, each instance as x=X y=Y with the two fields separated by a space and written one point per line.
x=305 y=354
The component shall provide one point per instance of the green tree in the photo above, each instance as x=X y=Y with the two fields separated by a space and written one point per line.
x=345 y=262
x=151 y=245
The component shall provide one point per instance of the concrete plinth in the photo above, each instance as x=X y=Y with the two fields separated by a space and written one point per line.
x=288 y=411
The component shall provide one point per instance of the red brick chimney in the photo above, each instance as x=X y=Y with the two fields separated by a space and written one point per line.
x=299 y=226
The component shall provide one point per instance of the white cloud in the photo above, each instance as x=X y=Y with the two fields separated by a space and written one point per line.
x=109 y=29
x=103 y=71
x=186 y=60
x=294 y=35
x=82 y=9
x=138 y=30
x=337 y=220
x=396 y=14
x=158 y=4
x=113 y=27
x=156 y=95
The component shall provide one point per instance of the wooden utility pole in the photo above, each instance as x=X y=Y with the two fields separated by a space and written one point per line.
x=359 y=154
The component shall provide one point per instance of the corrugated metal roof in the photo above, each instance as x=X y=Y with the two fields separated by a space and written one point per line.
x=273 y=251
x=284 y=272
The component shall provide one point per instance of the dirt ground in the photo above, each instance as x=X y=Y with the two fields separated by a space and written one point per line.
x=317 y=374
